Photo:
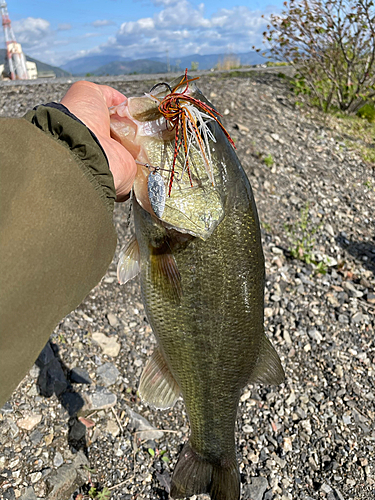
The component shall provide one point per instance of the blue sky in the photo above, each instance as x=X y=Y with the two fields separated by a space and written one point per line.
x=56 y=31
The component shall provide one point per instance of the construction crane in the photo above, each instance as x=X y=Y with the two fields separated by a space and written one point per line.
x=16 y=58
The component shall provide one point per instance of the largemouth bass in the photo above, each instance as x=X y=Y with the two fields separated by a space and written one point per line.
x=202 y=278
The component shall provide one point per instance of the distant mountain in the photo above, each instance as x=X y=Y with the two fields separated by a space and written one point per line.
x=143 y=66
x=89 y=64
x=42 y=67
x=117 y=65
x=211 y=60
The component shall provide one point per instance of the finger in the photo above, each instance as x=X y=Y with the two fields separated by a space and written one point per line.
x=112 y=96
x=121 y=164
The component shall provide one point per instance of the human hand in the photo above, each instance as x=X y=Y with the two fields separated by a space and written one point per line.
x=90 y=102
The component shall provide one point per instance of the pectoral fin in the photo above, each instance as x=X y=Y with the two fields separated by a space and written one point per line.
x=158 y=386
x=128 y=264
x=165 y=274
x=268 y=369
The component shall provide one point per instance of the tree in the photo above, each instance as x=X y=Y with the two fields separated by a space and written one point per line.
x=332 y=46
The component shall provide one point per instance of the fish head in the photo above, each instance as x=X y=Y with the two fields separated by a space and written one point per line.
x=179 y=177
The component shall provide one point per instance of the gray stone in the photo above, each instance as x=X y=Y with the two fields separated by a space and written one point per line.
x=36 y=437
x=325 y=488
x=357 y=318
x=314 y=334
x=7 y=408
x=80 y=376
x=102 y=399
x=29 y=494
x=58 y=459
x=107 y=374
x=338 y=494
x=66 y=479
x=108 y=344
x=351 y=289
x=256 y=489
x=142 y=426
x=343 y=318
x=9 y=494
x=113 y=320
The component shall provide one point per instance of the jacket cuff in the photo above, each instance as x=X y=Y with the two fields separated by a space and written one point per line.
x=59 y=123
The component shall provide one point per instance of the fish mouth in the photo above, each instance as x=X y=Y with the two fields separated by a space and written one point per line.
x=168 y=133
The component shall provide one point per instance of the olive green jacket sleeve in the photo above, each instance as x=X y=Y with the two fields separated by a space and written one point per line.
x=56 y=234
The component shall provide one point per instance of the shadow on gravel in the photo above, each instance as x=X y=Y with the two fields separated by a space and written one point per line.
x=53 y=379
x=359 y=249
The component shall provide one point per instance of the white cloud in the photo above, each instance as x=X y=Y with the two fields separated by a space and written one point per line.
x=182 y=28
x=102 y=22
x=31 y=31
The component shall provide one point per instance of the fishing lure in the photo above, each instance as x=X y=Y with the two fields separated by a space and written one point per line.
x=188 y=117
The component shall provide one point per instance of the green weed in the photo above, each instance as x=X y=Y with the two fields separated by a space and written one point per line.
x=302 y=238
x=104 y=494
x=268 y=160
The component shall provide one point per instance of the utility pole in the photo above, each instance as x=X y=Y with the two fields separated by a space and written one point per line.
x=16 y=58
x=168 y=65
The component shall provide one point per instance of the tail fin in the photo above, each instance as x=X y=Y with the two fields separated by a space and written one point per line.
x=194 y=474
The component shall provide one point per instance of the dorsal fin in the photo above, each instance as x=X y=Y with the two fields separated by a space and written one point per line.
x=128 y=263
x=268 y=369
x=157 y=385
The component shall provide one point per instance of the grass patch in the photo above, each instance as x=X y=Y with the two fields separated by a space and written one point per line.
x=236 y=73
x=357 y=133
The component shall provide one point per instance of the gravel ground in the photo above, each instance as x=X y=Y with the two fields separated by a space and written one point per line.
x=75 y=421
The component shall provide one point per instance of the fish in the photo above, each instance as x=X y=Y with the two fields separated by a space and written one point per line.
x=202 y=276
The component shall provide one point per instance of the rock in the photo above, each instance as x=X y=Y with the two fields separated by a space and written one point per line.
x=58 y=459
x=338 y=494
x=63 y=482
x=80 y=376
x=314 y=334
x=112 y=428
x=102 y=399
x=256 y=489
x=7 y=408
x=28 y=423
x=36 y=437
x=325 y=488
x=107 y=374
x=51 y=379
x=143 y=428
x=108 y=344
x=357 y=318
x=72 y=402
x=287 y=444
x=329 y=229
x=9 y=494
x=35 y=476
x=242 y=128
x=351 y=289
x=29 y=494
x=370 y=298
x=247 y=429
x=77 y=432
x=113 y=320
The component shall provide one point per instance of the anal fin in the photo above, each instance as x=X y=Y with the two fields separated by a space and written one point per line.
x=128 y=263
x=158 y=386
x=268 y=369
